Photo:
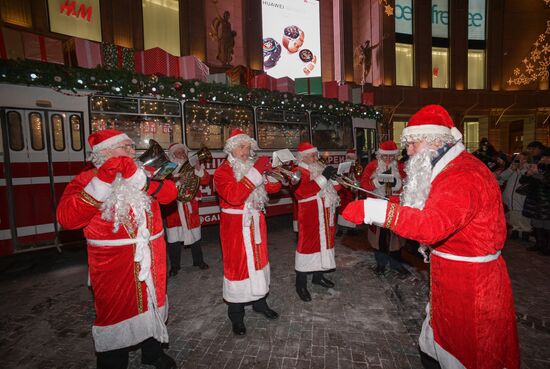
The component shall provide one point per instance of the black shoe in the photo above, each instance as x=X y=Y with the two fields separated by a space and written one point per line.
x=304 y=294
x=379 y=270
x=324 y=283
x=201 y=265
x=269 y=314
x=239 y=329
x=173 y=272
x=165 y=362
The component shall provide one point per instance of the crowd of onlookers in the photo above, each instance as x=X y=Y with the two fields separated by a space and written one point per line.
x=525 y=182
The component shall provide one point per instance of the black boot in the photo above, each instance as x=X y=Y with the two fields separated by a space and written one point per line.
x=303 y=293
x=196 y=253
x=165 y=362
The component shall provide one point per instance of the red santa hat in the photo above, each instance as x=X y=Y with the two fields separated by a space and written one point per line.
x=306 y=148
x=350 y=154
x=106 y=139
x=388 y=148
x=177 y=146
x=431 y=120
x=236 y=137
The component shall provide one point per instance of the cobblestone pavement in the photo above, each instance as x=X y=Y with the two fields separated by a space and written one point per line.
x=366 y=321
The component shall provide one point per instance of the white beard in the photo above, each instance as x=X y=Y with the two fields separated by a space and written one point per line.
x=418 y=182
x=258 y=197
x=328 y=193
x=126 y=205
x=382 y=167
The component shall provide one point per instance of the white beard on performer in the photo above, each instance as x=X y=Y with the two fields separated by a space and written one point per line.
x=328 y=192
x=258 y=197
x=126 y=205
x=382 y=167
x=418 y=182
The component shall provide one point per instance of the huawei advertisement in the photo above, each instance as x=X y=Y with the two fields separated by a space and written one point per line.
x=291 y=38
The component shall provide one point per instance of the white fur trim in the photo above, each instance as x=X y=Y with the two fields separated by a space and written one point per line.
x=321 y=181
x=388 y=152
x=183 y=233
x=129 y=332
x=242 y=291
x=344 y=223
x=429 y=346
x=375 y=211
x=98 y=189
x=138 y=179
x=314 y=262
x=108 y=143
x=447 y=158
x=456 y=133
x=308 y=151
x=428 y=129
x=254 y=176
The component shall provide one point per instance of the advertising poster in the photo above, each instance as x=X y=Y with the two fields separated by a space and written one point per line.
x=291 y=38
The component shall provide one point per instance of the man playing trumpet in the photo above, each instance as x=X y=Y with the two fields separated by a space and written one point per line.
x=242 y=188
x=183 y=224
x=317 y=199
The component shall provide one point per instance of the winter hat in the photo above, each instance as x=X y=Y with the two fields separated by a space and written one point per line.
x=306 y=148
x=236 y=137
x=177 y=146
x=431 y=120
x=388 y=148
x=106 y=139
x=350 y=154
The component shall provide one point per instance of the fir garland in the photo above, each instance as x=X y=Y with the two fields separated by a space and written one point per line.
x=81 y=81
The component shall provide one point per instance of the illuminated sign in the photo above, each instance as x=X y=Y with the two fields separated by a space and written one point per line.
x=76 y=18
x=291 y=38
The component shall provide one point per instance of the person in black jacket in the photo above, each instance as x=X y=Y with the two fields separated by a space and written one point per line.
x=537 y=201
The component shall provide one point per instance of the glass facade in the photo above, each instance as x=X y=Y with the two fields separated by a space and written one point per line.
x=404 y=73
x=476 y=69
x=161 y=25
x=471 y=135
x=440 y=67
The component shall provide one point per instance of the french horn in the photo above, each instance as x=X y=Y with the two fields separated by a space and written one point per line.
x=188 y=182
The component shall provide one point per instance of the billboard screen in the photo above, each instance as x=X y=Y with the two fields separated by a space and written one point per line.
x=291 y=38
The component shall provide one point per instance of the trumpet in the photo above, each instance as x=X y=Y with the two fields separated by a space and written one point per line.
x=282 y=175
x=349 y=183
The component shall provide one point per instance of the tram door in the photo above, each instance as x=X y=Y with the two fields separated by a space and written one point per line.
x=43 y=150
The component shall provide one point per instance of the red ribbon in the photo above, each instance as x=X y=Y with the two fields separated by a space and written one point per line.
x=42 y=44
x=119 y=57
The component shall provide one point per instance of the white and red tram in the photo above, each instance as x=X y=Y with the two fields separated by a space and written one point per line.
x=43 y=135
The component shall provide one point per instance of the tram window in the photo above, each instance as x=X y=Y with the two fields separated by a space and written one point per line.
x=58 y=134
x=113 y=104
x=37 y=131
x=331 y=131
x=278 y=129
x=15 y=130
x=76 y=133
x=156 y=107
x=210 y=124
x=141 y=129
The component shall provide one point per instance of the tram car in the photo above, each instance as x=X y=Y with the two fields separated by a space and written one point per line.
x=43 y=135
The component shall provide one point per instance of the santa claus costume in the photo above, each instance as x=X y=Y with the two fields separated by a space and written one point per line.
x=452 y=204
x=242 y=189
x=384 y=176
x=183 y=226
x=118 y=208
x=317 y=199
x=346 y=196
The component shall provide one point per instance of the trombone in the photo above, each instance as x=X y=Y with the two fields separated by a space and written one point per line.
x=281 y=174
x=349 y=183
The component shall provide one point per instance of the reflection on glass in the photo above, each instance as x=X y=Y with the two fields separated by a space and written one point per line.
x=440 y=67
x=476 y=69
x=404 y=64
x=114 y=104
x=58 y=136
x=37 y=131
x=278 y=129
x=15 y=131
x=76 y=135
x=156 y=107
x=210 y=124
x=331 y=131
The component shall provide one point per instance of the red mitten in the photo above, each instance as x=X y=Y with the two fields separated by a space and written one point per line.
x=263 y=164
x=108 y=170
x=127 y=167
x=355 y=212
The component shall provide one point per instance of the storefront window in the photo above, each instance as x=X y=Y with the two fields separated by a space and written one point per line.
x=281 y=129
x=161 y=25
x=476 y=44
x=404 y=64
x=210 y=124
x=476 y=69
x=471 y=135
x=331 y=132
x=440 y=67
x=398 y=126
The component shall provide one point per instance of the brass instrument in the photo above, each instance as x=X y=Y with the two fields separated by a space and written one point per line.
x=188 y=182
x=357 y=169
x=282 y=175
x=155 y=157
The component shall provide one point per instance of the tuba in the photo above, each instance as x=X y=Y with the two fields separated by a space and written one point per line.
x=188 y=183
x=156 y=158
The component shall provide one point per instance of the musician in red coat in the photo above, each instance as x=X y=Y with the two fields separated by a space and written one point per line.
x=384 y=176
x=118 y=207
x=317 y=198
x=452 y=204
x=183 y=225
x=346 y=196
x=242 y=189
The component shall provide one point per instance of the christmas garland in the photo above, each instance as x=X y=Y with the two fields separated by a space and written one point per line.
x=85 y=82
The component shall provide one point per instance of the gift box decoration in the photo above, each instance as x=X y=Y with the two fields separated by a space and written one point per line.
x=330 y=90
x=190 y=67
x=264 y=81
x=285 y=84
x=11 y=44
x=308 y=86
x=117 y=57
x=356 y=95
x=157 y=61
x=344 y=93
x=42 y=48
x=218 y=78
x=367 y=98
x=240 y=75
x=83 y=53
